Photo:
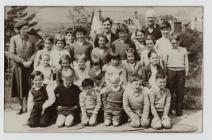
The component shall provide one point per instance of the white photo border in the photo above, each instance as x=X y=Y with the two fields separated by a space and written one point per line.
x=207 y=115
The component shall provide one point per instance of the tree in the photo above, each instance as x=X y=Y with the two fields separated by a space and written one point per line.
x=14 y=14
x=168 y=18
x=192 y=40
x=80 y=17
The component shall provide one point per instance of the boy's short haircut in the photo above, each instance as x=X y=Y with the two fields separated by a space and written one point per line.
x=87 y=82
x=134 y=78
x=60 y=37
x=69 y=30
x=175 y=36
x=139 y=30
x=165 y=24
x=150 y=37
x=49 y=38
x=96 y=62
x=80 y=29
x=44 y=54
x=37 y=73
x=151 y=52
x=107 y=19
x=161 y=74
x=122 y=28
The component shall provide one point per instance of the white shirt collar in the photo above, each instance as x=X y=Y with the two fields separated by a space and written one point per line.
x=132 y=65
x=67 y=86
x=107 y=34
x=36 y=88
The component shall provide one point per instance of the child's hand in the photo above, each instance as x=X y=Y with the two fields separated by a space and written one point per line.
x=42 y=112
x=59 y=107
x=74 y=107
x=43 y=109
x=27 y=64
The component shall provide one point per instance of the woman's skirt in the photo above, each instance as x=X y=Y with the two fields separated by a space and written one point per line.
x=21 y=81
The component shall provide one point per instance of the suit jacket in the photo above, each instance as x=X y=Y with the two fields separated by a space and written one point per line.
x=156 y=32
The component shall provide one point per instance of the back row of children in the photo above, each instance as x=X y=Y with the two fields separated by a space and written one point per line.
x=114 y=77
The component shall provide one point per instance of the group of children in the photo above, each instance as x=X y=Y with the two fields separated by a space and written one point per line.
x=121 y=82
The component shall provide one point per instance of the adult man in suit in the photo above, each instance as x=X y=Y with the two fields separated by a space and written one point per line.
x=107 y=25
x=151 y=27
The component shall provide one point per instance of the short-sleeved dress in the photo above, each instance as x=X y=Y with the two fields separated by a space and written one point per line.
x=21 y=49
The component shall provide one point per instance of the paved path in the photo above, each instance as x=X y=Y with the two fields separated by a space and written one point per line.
x=192 y=123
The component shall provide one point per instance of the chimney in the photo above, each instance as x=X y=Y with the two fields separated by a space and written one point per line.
x=100 y=15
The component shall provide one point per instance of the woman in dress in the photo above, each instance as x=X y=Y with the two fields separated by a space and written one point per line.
x=22 y=53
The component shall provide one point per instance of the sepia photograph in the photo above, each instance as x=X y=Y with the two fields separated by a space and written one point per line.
x=103 y=69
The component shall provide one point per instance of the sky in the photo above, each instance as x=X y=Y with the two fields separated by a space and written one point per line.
x=60 y=14
x=50 y=18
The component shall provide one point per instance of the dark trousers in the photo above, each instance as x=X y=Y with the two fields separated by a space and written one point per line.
x=176 y=84
x=37 y=119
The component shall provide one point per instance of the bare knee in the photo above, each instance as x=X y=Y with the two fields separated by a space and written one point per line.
x=92 y=121
x=60 y=121
x=166 y=124
x=145 y=122
x=135 y=123
x=156 y=124
x=69 y=120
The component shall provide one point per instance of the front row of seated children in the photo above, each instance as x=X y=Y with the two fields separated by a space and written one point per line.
x=143 y=106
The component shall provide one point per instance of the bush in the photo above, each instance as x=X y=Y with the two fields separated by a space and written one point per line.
x=192 y=40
